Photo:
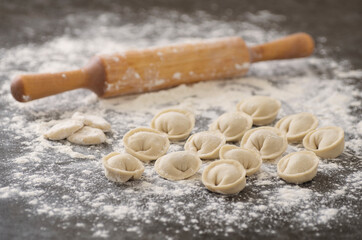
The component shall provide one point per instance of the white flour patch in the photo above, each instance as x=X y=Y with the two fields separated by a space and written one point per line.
x=326 y=214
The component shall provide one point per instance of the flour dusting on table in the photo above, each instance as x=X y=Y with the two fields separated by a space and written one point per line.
x=42 y=170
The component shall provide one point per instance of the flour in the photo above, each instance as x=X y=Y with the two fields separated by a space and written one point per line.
x=57 y=180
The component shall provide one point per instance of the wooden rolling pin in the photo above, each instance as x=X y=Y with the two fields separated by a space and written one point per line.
x=164 y=67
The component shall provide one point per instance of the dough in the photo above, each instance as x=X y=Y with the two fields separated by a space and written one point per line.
x=63 y=129
x=326 y=142
x=298 y=167
x=262 y=109
x=250 y=159
x=146 y=144
x=176 y=123
x=120 y=167
x=93 y=121
x=87 y=136
x=224 y=176
x=297 y=126
x=233 y=125
x=178 y=165
x=270 y=142
x=206 y=144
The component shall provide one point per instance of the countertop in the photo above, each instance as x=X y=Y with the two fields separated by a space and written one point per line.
x=55 y=190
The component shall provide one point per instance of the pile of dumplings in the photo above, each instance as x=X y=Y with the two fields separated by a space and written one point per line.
x=227 y=175
x=82 y=129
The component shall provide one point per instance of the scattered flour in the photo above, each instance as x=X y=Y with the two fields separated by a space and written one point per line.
x=66 y=182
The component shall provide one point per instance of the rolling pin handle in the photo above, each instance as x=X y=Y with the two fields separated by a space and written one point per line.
x=28 y=87
x=293 y=46
x=17 y=89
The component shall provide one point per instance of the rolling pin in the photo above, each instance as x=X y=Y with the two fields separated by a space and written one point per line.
x=163 y=67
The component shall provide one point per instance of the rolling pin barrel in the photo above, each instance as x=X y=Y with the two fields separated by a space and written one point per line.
x=159 y=68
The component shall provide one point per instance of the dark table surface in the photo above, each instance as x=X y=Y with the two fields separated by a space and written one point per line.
x=336 y=26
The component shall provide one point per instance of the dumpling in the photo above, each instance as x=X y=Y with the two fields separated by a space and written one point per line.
x=120 y=167
x=224 y=176
x=178 y=165
x=270 y=142
x=63 y=129
x=93 y=121
x=176 y=123
x=262 y=109
x=250 y=159
x=232 y=125
x=297 y=126
x=206 y=144
x=146 y=144
x=298 y=167
x=87 y=136
x=326 y=142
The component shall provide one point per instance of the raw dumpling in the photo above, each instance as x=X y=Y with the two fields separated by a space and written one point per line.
x=262 y=109
x=178 y=165
x=298 y=167
x=326 y=142
x=146 y=144
x=120 y=167
x=270 y=142
x=206 y=144
x=250 y=159
x=63 y=129
x=87 y=136
x=224 y=176
x=297 y=126
x=176 y=123
x=232 y=125
x=93 y=121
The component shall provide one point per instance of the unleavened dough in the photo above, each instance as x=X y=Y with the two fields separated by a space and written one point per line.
x=93 y=121
x=232 y=125
x=63 y=129
x=146 y=144
x=224 y=176
x=270 y=142
x=206 y=144
x=176 y=123
x=298 y=167
x=262 y=109
x=121 y=167
x=178 y=165
x=297 y=126
x=250 y=159
x=87 y=136
x=326 y=142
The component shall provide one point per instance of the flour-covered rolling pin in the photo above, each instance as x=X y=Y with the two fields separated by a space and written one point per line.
x=164 y=67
